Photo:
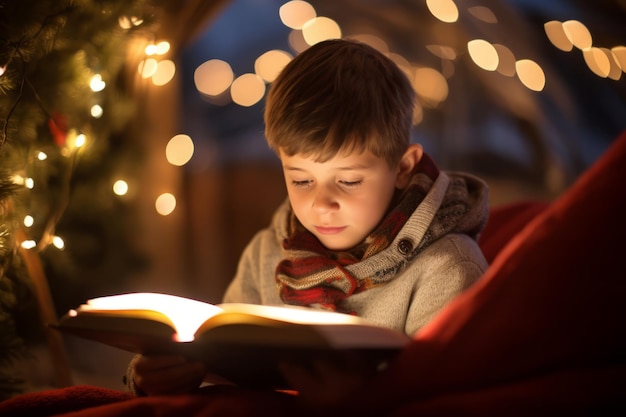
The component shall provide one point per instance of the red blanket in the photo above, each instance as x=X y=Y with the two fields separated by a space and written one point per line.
x=541 y=333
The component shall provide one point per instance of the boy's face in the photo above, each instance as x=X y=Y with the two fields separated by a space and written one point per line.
x=340 y=201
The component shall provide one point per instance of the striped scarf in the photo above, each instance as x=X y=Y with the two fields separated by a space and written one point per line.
x=310 y=274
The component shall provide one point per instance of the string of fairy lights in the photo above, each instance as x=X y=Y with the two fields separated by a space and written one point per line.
x=218 y=84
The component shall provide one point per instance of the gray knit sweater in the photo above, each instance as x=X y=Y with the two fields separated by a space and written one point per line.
x=422 y=284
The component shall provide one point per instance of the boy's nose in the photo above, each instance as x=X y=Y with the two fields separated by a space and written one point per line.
x=325 y=201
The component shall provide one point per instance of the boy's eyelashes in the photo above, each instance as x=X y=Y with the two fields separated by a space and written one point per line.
x=308 y=183
x=301 y=183
x=350 y=184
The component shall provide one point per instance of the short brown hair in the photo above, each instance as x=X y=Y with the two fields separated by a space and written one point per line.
x=340 y=96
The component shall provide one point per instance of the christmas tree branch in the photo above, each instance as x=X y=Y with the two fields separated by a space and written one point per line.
x=15 y=103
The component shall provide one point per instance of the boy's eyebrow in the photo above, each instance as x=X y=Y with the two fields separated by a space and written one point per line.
x=355 y=167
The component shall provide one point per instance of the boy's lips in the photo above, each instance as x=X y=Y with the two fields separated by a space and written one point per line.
x=327 y=230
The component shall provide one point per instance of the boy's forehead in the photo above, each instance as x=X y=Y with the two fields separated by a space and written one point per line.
x=353 y=160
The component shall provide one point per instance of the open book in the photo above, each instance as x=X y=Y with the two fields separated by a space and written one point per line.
x=241 y=342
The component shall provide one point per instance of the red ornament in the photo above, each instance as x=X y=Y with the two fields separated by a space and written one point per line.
x=57 y=124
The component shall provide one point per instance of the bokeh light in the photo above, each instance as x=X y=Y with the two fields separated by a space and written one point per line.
x=147 y=67
x=294 y=14
x=179 y=150
x=578 y=34
x=530 y=74
x=247 y=89
x=483 y=54
x=320 y=29
x=165 y=204
x=506 y=60
x=96 y=111
x=97 y=83
x=297 y=42
x=269 y=65
x=213 y=77
x=430 y=85
x=28 y=221
x=619 y=52
x=597 y=61
x=164 y=73
x=444 y=10
x=556 y=34
x=120 y=187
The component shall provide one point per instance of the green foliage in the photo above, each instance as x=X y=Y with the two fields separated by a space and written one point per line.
x=49 y=52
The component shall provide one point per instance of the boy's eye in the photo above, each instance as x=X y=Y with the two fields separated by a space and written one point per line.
x=301 y=183
x=351 y=184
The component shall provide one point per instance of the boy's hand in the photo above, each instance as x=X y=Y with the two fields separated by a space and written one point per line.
x=162 y=374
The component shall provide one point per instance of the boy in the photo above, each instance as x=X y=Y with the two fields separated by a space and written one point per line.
x=371 y=226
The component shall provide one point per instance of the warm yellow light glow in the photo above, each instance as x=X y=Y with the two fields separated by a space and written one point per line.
x=297 y=42
x=213 y=77
x=619 y=52
x=320 y=29
x=162 y=47
x=29 y=183
x=556 y=34
x=430 y=85
x=506 y=60
x=150 y=49
x=29 y=244
x=80 y=140
x=269 y=65
x=147 y=67
x=28 y=220
x=2 y=70
x=294 y=14
x=18 y=179
x=597 y=61
x=185 y=314
x=165 y=204
x=483 y=13
x=530 y=74
x=96 y=111
x=483 y=54
x=120 y=187
x=97 y=84
x=58 y=242
x=179 y=150
x=615 y=70
x=444 y=10
x=578 y=34
x=42 y=156
x=164 y=73
x=124 y=22
x=247 y=89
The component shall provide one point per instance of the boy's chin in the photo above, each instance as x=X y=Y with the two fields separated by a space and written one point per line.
x=337 y=245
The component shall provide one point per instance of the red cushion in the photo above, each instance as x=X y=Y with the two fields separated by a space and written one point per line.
x=504 y=223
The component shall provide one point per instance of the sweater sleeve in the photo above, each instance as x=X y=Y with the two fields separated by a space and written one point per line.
x=453 y=264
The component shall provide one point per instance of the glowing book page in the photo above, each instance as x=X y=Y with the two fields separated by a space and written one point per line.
x=185 y=314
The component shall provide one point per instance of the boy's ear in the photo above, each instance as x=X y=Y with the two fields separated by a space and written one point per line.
x=407 y=163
